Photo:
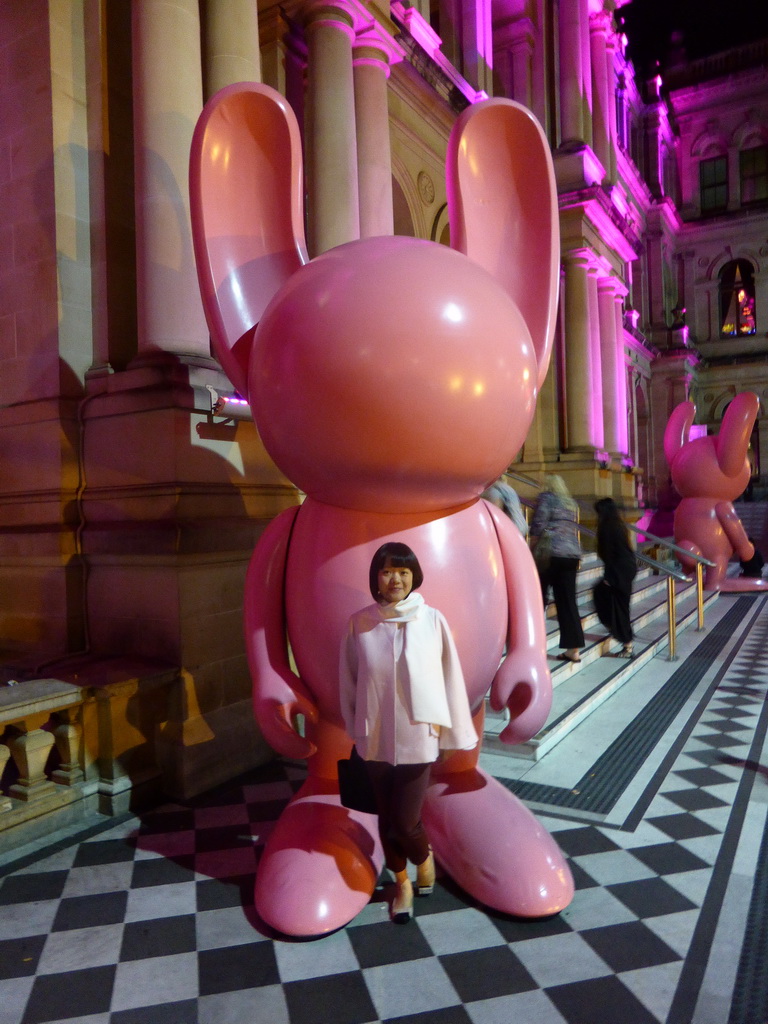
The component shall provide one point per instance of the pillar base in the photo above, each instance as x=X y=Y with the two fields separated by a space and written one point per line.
x=202 y=752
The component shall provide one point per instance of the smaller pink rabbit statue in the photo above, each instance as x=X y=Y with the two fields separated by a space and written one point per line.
x=710 y=473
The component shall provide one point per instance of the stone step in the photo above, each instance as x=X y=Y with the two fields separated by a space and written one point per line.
x=647 y=590
x=579 y=689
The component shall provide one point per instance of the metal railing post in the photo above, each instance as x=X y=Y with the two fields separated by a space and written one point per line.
x=700 y=594
x=672 y=618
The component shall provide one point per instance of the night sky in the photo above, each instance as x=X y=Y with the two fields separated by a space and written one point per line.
x=707 y=28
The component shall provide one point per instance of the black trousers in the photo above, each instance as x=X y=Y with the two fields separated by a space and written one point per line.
x=400 y=790
x=560 y=574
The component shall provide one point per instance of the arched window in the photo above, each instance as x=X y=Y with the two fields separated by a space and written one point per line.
x=737 y=299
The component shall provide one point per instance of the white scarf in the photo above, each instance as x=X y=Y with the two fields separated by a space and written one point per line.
x=402 y=611
x=426 y=683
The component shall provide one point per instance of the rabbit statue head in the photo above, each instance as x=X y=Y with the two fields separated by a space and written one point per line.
x=711 y=467
x=389 y=374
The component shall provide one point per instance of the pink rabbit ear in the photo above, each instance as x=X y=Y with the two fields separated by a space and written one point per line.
x=733 y=439
x=676 y=433
x=245 y=179
x=502 y=203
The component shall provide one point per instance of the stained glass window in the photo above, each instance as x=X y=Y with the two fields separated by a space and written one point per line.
x=737 y=299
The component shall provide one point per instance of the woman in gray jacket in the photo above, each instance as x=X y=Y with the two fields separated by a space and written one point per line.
x=556 y=516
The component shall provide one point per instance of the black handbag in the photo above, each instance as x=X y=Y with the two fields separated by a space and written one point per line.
x=355 y=789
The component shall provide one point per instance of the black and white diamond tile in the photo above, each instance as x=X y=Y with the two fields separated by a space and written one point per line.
x=151 y=921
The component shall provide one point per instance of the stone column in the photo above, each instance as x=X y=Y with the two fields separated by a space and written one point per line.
x=167 y=99
x=232 y=44
x=515 y=48
x=599 y=26
x=449 y=12
x=574 y=65
x=622 y=423
x=596 y=385
x=611 y=46
x=371 y=58
x=578 y=356
x=331 y=147
x=612 y=361
x=477 y=44
x=632 y=415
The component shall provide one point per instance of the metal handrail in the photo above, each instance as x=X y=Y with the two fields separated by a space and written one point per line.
x=669 y=544
x=630 y=526
x=672 y=575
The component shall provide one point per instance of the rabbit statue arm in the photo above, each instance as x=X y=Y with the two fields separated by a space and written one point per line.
x=522 y=683
x=278 y=693
x=734 y=530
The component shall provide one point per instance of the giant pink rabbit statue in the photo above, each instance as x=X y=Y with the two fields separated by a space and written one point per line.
x=709 y=473
x=391 y=379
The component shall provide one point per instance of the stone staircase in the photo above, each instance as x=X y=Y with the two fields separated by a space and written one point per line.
x=579 y=689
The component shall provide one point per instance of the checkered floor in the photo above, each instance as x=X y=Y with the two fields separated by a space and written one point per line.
x=150 y=921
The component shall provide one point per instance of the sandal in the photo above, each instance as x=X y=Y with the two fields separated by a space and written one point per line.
x=567 y=657
x=627 y=651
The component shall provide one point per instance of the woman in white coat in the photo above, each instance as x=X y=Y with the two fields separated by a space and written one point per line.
x=405 y=704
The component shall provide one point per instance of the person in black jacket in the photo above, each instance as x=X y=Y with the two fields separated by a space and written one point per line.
x=613 y=593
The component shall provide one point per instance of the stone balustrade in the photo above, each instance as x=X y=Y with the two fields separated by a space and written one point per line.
x=69 y=752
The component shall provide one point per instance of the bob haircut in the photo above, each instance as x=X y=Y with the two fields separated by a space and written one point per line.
x=400 y=556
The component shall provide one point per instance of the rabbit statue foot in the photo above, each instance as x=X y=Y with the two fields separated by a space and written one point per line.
x=742 y=584
x=494 y=848
x=319 y=866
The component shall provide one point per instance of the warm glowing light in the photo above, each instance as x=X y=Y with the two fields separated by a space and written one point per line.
x=455 y=383
x=526 y=374
x=438 y=535
x=453 y=313
x=478 y=389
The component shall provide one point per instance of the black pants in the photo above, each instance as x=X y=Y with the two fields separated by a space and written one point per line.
x=400 y=791
x=560 y=574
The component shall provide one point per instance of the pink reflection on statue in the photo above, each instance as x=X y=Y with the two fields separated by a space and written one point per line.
x=391 y=379
x=710 y=473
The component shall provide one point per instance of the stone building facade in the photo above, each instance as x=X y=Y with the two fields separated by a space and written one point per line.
x=128 y=509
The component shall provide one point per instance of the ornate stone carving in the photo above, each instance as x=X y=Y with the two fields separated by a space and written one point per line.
x=426 y=188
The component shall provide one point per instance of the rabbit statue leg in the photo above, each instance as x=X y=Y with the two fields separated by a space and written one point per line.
x=519 y=871
x=321 y=862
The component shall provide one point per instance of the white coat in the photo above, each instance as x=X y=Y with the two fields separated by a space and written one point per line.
x=403 y=697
